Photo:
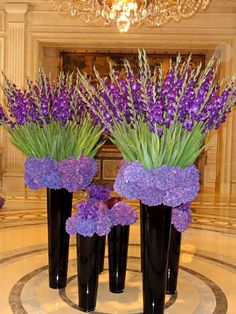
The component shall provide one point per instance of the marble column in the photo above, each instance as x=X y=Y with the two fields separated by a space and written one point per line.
x=16 y=14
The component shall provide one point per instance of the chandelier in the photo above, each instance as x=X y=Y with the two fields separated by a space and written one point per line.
x=125 y=13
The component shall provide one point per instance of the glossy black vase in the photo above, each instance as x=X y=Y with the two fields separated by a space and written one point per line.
x=102 y=246
x=59 y=206
x=88 y=271
x=118 y=241
x=155 y=237
x=173 y=262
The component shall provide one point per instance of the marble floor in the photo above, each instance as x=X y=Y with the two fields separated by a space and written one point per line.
x=207 y=277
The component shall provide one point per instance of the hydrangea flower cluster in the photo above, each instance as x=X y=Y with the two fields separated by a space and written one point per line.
x=97 y=215
x=181 y=217
x=172 y=186
x=166 y=185
x=99 y=192
x=70 y=174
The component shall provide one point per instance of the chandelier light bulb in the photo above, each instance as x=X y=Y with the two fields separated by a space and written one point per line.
x=105 y=13
x=123 y=23
x=112 y=14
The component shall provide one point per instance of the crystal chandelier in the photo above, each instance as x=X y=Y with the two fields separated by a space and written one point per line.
x=125 y=13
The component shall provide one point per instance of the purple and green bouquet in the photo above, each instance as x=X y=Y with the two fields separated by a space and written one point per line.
x=99 y=213
x=160 y=119
x=159 y=122
x=51 y=126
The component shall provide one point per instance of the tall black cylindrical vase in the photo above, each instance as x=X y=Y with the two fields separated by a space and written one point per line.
x=59 y=206
x=156 y=226
x=88 y=271
x=102 y=246
x=141 y=236
x=173 y=262
x=118 y=240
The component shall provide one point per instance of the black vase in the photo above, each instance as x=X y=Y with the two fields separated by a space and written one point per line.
x=88 y=271
x=102 y=246
x=173 y=262
x=59 y=206
x=155 y=237
x=141 y=236
x=118 y=240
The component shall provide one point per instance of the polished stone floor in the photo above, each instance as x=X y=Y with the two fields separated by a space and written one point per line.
x=207 y=278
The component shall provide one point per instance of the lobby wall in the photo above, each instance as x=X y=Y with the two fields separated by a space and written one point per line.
x=32 y=34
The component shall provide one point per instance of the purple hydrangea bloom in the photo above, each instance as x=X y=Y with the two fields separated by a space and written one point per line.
x=77 y=174
x=33 y=173
x=104 y=223
x=174 y=197
x=152 y=196
x=87 y=209
x=51 y=176
x=181 y=217
x=186 y=173
x=99 y=192
x=70 y=174
x=171 y=186
x=42 y=172
x=85 y=227
x=123 y=214
x=166 y=182
x=94 y=216
x=71 y=225
x=127 y=179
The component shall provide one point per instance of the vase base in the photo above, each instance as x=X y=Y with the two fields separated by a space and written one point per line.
x=117 y=283
x=171 y=292
x=86 y=311
x=57 y=286
x=117 y=291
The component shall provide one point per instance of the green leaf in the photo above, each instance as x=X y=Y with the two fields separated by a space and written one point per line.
x=57 y=141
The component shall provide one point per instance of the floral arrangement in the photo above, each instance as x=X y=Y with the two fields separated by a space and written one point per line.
x=160 y=122
x=99 y=213
x=50 y=125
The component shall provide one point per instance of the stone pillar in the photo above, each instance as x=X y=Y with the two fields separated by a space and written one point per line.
x=15 y=71
x=226 y=177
